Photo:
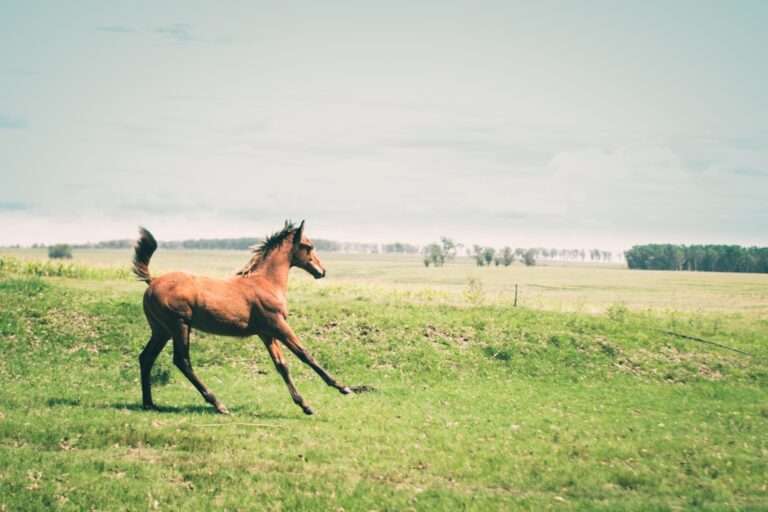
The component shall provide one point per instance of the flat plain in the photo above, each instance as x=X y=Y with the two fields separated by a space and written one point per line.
x=587 y=288
x=576 y=399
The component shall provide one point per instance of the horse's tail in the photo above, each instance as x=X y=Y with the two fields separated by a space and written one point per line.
x=145 y=247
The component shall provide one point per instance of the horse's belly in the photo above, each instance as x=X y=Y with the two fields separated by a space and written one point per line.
x=222 y=327
x=224 y=330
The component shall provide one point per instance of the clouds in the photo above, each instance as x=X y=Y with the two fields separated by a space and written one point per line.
x=178 y=32
x=116 y=29
x=398 y=122
x=652 y=192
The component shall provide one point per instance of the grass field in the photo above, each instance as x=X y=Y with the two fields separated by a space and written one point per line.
x=575 y=400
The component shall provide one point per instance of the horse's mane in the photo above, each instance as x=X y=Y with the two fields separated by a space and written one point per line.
x=263 y=249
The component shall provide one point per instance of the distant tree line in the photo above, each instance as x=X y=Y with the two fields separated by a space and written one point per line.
x=435 y=254
x=107 y=244
x=707 y=258
x=486 y=256
x=595 y=255
x=357 y=247
x=202 y=243
x=399 y=247
x=234 y=244
x=506 y=255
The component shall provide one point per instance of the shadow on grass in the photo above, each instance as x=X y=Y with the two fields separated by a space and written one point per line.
x=169 y=409
x=363 y=388
x=186 y=409
x=202 y=409
x=241 y=412
x=65 y=402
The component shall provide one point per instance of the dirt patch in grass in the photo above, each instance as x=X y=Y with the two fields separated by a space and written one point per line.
x=443 y=336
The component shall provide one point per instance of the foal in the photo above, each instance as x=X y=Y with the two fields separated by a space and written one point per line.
x=253 y=302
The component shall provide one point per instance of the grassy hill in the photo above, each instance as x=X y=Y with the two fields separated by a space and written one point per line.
x=475 y=405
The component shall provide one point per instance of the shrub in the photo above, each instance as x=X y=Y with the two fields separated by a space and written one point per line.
x=60 y=251
x=474 y=292
x=38 y=268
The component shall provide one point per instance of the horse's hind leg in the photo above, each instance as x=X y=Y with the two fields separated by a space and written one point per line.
x=183 y=363
x=147 y=360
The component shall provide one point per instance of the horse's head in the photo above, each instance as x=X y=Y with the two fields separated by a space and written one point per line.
x=304 y=255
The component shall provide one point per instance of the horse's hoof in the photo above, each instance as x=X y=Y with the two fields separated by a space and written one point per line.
x=308 y=410
x=221 y=409
x=345 y=390
x=150 y=407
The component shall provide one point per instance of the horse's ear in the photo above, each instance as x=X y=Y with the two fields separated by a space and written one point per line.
x=298 y=234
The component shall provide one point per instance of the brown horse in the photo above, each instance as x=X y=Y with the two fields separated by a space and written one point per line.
x=252 y=302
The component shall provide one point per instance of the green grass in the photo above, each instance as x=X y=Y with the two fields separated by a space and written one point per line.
x=477 y=405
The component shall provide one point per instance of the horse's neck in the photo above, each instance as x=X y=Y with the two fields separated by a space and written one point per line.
x=275 y=268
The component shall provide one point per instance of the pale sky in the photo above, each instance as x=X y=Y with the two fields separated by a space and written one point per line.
x=563 y=124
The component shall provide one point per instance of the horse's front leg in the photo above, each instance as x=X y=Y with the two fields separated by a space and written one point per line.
x=282 y=368
x=286 y=335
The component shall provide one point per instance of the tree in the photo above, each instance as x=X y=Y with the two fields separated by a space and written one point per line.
x=506 y=256
x=433 y=254
x=449 y=248
x=477 y=253
x=529 y=257
x=488 y=253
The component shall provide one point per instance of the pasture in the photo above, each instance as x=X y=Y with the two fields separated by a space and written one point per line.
x=573 y=400
x=586 y=288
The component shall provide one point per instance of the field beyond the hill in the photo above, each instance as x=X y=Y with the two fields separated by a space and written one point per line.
x=579 y=398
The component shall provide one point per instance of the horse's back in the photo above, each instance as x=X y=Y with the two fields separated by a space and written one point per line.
x=191 y=288
x=172 y=284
